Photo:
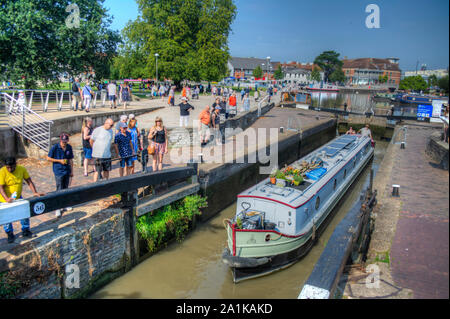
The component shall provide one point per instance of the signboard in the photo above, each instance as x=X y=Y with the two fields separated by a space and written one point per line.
x=437 y=107
x=424 y=112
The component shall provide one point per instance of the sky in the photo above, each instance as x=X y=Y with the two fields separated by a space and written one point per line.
x=415 y=31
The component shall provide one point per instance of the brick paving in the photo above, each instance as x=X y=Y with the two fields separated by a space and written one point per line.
x=419 y=252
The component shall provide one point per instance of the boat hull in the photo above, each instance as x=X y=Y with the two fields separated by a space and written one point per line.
x=262 y=256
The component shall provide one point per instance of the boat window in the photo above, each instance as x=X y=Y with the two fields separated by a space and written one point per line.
x=354 y=163
x=345 y=174
x=335 y=184
x=317 y=202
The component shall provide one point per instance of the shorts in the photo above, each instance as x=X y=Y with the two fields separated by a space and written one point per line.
x=160 y=148
x=128 y=161
x=102 y=165
x=204 y=129
x=112 y=98
x=87 y=153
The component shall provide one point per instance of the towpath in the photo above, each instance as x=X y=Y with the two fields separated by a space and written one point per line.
x=410 y=243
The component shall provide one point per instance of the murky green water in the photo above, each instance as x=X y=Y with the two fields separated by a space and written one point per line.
x=193 y=268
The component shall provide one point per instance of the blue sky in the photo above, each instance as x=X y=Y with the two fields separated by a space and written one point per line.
x=299 y=30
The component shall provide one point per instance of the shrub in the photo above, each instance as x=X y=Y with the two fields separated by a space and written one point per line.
x=172 y=220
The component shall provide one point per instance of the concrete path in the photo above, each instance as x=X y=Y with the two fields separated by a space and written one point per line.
x=410 y=243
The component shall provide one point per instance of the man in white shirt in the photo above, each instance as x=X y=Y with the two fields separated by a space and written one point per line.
x=101 y=141
x=112 y=93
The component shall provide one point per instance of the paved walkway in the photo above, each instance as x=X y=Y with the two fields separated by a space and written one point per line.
x=410 y=242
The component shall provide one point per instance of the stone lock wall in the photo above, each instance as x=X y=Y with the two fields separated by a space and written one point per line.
x=97 y=248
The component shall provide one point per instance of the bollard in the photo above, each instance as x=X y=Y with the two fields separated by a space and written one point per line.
x=402 y=146
x=281 y=130
x=200 y=158
x=396 y=190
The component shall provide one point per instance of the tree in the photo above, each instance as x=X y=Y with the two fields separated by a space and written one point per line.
x=38 y=44
x=413 y=83
x=337 y=76
x=315 y=75
x=258 y=72
x=383 y=79
x=278 y=74
x=443 y=84
x=432 y=80
x=328 y=61
x=190 y=36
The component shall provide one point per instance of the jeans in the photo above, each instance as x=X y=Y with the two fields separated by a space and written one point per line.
x=24 y=222
x=62 y=182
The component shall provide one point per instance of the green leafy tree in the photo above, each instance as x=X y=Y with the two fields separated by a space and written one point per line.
x=443 y=84
x=413 y=83
x=337 y=76
x=328 y=61
x=383 y=78
x=278 y=74
x=315 y=75
x=258 y=72
x=433 y=80
x=190 y=36
x=37 y=44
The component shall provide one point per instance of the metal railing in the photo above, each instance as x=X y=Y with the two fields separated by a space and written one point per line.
x=28 y=123
x=55 y=100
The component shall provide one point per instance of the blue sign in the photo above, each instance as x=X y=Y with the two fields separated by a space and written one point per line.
x=424 y=111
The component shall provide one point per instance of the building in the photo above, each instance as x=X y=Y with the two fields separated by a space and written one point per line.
x=439 y=73
x=368 y=71
x=298 y=76
x=242 y=68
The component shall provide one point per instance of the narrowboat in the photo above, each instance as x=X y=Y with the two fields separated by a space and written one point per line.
x=323 y=87
x=278 y=220
x=418 y=99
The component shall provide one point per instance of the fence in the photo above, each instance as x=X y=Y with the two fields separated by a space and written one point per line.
x=27 y=123
x=55 y=100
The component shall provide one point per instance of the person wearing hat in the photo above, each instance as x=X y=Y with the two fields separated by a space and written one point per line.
x=11 y=180
x=185 y=108
x=124 y=119
x=61 y=155
x=124 y=148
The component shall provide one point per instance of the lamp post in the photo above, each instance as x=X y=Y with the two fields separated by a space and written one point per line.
x=156 y=56
x=268 y=63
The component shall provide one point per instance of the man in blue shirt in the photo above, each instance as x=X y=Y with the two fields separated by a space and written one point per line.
x=61 y=155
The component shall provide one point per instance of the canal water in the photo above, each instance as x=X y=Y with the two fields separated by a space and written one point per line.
x=193 y=269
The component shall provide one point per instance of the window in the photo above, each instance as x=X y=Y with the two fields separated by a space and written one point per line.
x=335 y=184
x=317 y=202
x=345 y=174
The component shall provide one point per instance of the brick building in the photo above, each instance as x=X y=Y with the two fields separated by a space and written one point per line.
x=367 y=71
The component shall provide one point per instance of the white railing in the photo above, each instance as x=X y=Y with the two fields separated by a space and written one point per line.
x=28 y=123
x=55 y=100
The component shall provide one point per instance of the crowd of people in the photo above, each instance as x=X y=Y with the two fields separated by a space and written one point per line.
x=116 y=94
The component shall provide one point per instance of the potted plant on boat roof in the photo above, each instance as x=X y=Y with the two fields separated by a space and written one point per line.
x=273 y=176
x=298 y=179
x=280 y=178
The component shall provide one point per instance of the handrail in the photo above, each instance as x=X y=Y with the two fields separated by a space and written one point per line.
x=30 y=125
x=260 y=104
x=37 y=206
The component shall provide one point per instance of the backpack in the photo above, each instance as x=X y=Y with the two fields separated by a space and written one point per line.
x=74 y=87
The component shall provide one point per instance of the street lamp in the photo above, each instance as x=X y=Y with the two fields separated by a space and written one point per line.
x=156 y=56
x=268 y=63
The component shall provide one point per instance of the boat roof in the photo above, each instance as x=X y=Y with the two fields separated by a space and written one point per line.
x=337 y=151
